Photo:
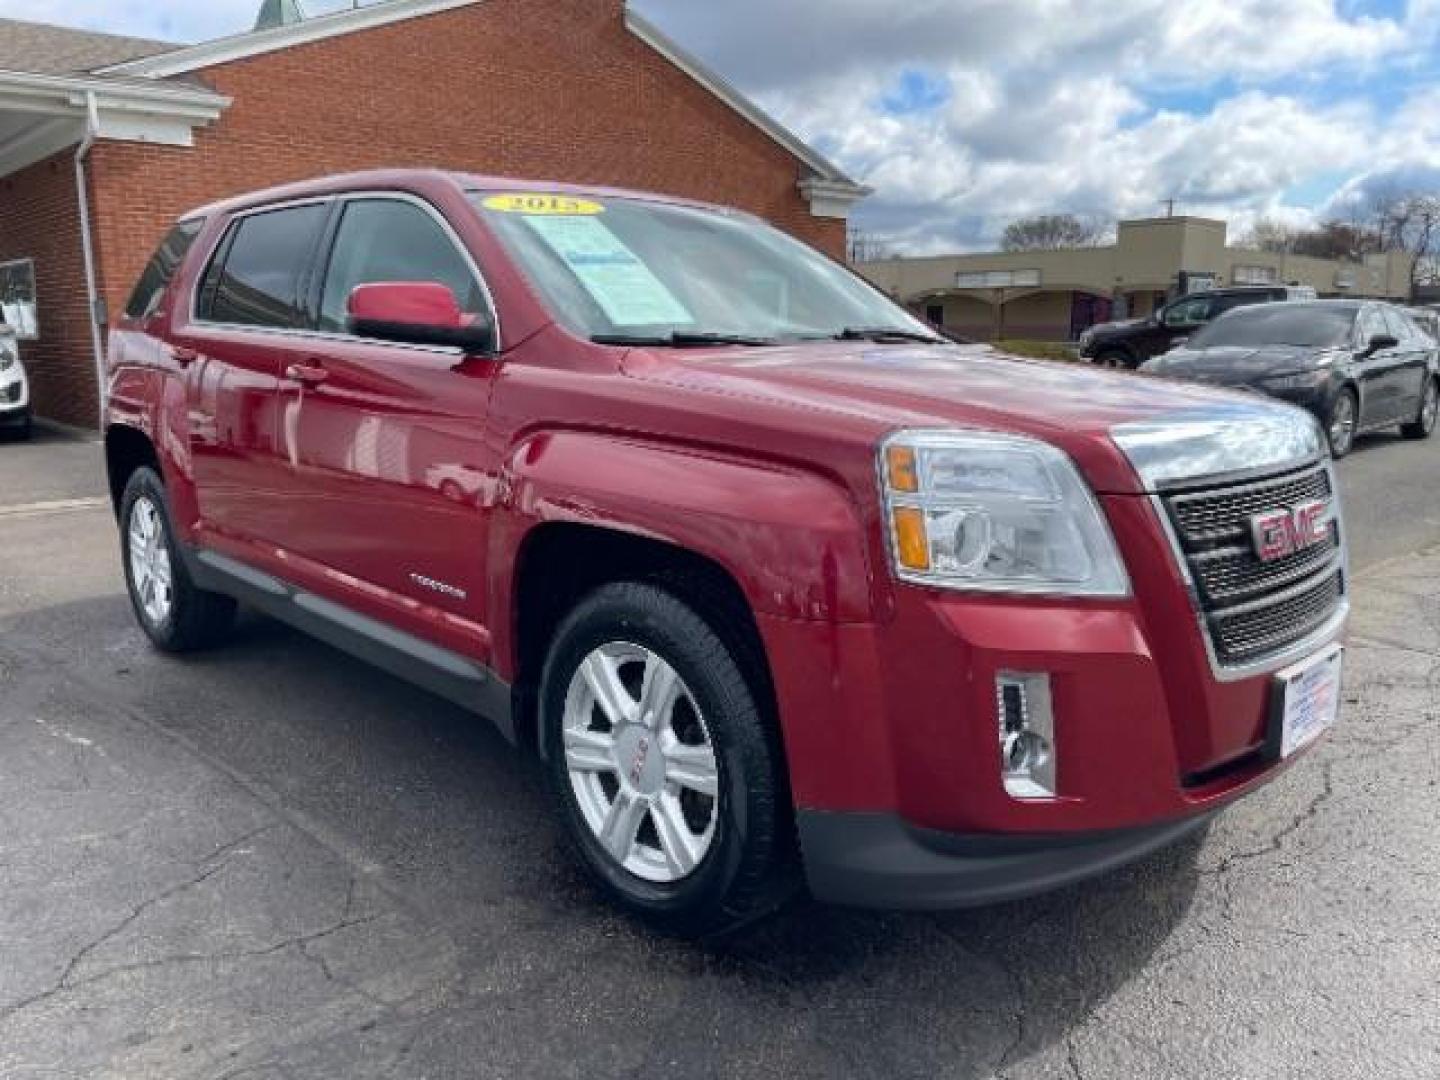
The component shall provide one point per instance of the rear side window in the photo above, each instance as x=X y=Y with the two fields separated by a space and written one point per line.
x=254 y=279
x=150 y=289
x=390 y=240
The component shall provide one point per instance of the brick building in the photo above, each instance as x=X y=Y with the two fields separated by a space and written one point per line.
x=104 y=140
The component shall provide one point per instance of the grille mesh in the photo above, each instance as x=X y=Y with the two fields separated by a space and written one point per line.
x=1254 y=609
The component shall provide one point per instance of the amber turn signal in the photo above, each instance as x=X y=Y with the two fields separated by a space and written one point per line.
x=900 y=469
x=912 y=547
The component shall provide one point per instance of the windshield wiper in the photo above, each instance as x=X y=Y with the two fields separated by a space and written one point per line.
x=882 y=334
x=682 y=339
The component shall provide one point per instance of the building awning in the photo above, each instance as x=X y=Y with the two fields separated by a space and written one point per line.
x=41 y=115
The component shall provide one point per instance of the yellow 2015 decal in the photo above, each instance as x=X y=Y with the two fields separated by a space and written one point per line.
x=538 y=204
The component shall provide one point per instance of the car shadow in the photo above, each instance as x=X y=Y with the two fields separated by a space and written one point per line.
x=456 y=823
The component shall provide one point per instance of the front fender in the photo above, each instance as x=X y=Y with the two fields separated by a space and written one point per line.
x=792 y=540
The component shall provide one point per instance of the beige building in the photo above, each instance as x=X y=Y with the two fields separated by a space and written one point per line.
x=1054 y=295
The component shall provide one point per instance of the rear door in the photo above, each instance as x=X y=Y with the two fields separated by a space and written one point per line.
x=243 y=329
x=387 y=440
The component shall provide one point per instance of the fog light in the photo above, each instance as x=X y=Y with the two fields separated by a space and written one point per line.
x=1027 y=735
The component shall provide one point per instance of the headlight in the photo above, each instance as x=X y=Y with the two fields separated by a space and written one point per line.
x=1303 y=380
x=7 y=358
x=994 y=513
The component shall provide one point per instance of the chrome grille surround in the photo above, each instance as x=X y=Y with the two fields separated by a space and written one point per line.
x=1256 y=615
x=1207 y=472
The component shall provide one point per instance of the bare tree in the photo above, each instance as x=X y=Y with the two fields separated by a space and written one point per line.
x=1267 y=234
x=1051 y=232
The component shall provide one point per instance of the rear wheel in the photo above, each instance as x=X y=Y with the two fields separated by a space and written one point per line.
x=1424 y=424
x=177 y=616
x=666 y=779
x=1340 y=428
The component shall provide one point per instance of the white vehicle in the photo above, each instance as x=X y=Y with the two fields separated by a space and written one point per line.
x=14 y=387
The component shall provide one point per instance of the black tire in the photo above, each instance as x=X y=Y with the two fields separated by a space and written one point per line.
x=1424 y=424
x=196 y=619
x=751 y=867
x=1118 y=359
x=1342 y=439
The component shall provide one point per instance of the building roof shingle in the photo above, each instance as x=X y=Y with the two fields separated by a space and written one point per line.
x=42 y=49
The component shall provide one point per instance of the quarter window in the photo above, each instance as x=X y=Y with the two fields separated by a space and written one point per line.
x=156 y=279
x=255 y=278
x=388 y=240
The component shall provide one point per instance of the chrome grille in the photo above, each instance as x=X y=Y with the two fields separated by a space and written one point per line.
x=1225 y=514
x=1254 y=609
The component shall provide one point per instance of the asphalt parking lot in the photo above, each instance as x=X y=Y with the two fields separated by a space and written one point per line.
x=274 y=862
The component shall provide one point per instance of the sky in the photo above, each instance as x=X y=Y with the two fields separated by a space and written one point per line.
x=964 y=115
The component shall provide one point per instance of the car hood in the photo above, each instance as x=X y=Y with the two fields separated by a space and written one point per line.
x=874 y=389
x=1231 y=364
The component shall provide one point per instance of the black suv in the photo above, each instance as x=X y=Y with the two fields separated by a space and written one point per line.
x=1129 y=343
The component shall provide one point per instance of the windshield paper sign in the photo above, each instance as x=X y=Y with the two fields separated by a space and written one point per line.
x=624 y=287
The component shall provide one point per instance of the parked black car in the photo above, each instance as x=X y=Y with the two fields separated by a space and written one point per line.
x=1129 y=343
x=1357 y=365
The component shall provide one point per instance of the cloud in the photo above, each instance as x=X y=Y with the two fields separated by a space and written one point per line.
x=1101 y=107
x=965 y=114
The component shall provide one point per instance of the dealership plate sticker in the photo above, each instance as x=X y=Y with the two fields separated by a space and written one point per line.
x=537 y=204
x=615 y=277
x=1312 y=700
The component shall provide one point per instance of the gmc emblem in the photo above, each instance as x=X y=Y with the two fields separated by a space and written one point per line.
x=1279 y=533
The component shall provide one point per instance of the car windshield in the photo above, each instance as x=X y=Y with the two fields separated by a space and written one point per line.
x=1301 y=325
x=629 y=270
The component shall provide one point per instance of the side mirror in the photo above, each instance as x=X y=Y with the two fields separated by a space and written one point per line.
x=418 y=313
x=1381 y=342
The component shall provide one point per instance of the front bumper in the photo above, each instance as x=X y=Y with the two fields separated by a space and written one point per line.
x=877 y=861
x=12 y=416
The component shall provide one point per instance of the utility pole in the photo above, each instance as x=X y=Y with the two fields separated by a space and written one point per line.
x=1169 y=208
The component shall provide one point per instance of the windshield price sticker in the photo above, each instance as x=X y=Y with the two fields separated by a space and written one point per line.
x=615 y=277
x=537 y=204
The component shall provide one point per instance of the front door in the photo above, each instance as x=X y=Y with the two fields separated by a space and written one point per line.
x=386 y=440
x=243 y=331
x=1379 y=379
x=1179 y=320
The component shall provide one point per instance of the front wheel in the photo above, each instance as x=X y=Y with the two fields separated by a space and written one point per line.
x=1424 y=424
x=1116 y=359
x=667 y=780
x=1340 y=428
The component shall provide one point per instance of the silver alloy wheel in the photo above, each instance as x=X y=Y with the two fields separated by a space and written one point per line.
x=1342 y=424
x=641 y=763
x=1430 y=410
x=150 y=574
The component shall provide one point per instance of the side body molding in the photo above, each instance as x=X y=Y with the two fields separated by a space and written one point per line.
x=458 y=678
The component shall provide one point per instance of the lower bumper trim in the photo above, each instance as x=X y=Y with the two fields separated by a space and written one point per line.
x=874 y=860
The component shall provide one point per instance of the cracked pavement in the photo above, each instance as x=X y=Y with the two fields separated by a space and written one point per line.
x=274 y=863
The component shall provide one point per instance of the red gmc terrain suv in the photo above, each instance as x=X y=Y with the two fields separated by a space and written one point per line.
x=781 y=586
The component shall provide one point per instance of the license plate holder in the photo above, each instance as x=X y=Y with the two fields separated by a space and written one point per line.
x=1304 y=702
